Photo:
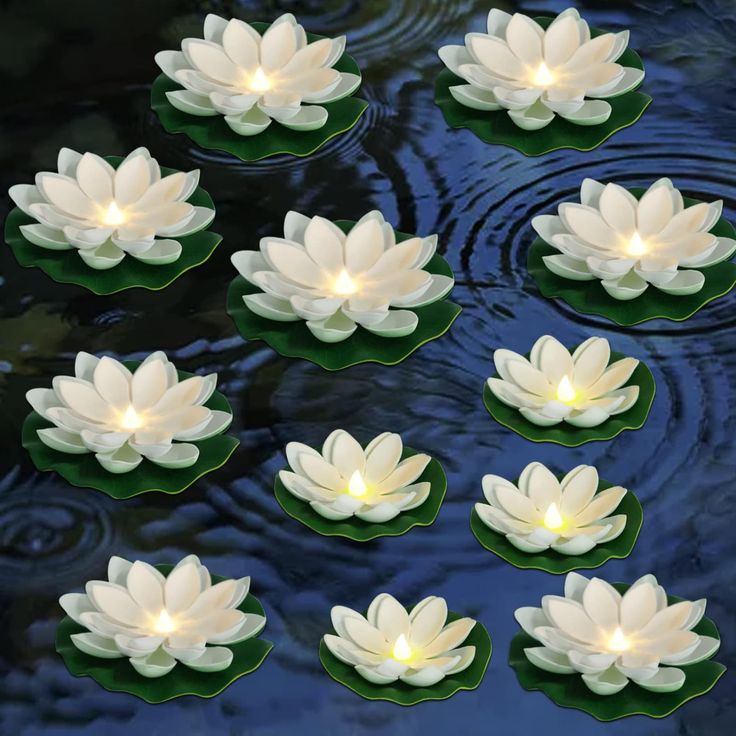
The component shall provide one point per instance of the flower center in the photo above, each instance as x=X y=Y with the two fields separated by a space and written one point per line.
x=618 y=642
x=636 y=246
x=344 y=285
x=164 y=623
x=131 y=419
x=553 y=519
x=402 y=651
x=543 y=76
x=259 y=82
x=357 y=486
x=114 y=215
x=565 y=391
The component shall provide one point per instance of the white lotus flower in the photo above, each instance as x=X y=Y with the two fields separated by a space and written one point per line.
x=106 y=213
x=630 y=243
x=345 y=480
x=543 y=513
x=553 y=386
x=123 y=417
x=253 y=79
x=336 y=282
x=157 y=621
x=388 y=644
x=536 y=74
x=610 y=638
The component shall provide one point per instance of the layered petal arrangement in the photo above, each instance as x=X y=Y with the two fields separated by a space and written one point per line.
x=543 y=513
x=157 y=621
x=106 y=213
x=553 y=386
x=610 y=639
x=253 y=80
x=336 y=281
x=344 y=480
x=389 y=644
x=123 y=416
x=536 y=74
x=630 y=244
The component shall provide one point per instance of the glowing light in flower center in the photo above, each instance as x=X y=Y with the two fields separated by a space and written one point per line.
x=344 y=285
x=618 y=642
x=164 y=623
x=357 y=486
x=402 y=650
x=131 y=420
x=543 y=77
x=565 y=391
x=113 y=215
x=259 y=82
x=636 y=246
x=553 y=519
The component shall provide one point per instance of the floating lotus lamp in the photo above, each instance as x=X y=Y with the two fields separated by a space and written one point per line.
x=131 y=632
x=556 y=525
x=406 y=657
x=616 y=244
x=568 y=84
x=161 y=427
x=595 y=397
x=325 y=283
x=255 y=90
x=637 y=648
x=345 y=490
x=78 y=225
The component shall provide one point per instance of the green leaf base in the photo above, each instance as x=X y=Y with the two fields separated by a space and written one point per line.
x=403 y=694
x=497 y=126
x=214 y=133
x=118 y=675
x=556 y=563
x=569 y=691
x=363 y=531
x=85 y=472
x=66 y=267
x=589 y=297
x=566 y=434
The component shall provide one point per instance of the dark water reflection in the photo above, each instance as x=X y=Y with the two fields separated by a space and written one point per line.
x=76 y=74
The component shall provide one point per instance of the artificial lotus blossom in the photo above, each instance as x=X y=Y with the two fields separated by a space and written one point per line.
x=543 y=513
x=536 y=74
x=157 y=620
x=610 y=639
x=336 y=281
x=630 y=244
x=553 y=386
x=106 y=213
x=253 y=80
x=123 y=416
x=389 y=644
x=344 y=480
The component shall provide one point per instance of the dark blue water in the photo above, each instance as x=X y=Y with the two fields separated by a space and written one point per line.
x=77 y=74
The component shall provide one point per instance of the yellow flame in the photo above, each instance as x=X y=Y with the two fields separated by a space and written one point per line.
x=114 y=215
x=357 y=486
x=131 y=420
x=543 y=76
x=259 y=82
x=164 y=624
x=553 y=519
x=402 y=650
x=636 y=246
x=565 y=391
x=618 y=642
x=344 y=285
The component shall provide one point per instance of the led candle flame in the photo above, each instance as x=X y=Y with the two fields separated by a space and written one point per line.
x=164 y=624
x=636 y=246
x=113 y=215
x=618 y=642
x=543 y=77
x=259 y=82
x=565 y=391
x=131 y=420
x=402 y=650
x=553 y=519
x=344 y=285
x=356 y=486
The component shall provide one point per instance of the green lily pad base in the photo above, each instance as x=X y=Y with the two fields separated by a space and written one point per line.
x=363 y=531
x=569 y=691
x=403 y=694
x=589 y=297
x=66 y=267
x=497 y=127
x=294 y=340
x=554 y=562
x=118 y=675
x=569 y=436
x=214 y=133
x=85 y=472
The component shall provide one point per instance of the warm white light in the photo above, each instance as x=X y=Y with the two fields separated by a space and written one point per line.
x=259 y=82
x=113 y=215
x=565 y=391
x=402 y=650
x=344 y=285
x=543 y=77
x=357 y=486
x=636 y=246
x=164 y=624
x=553 y=519
x=618 y=642
x=131 y=420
